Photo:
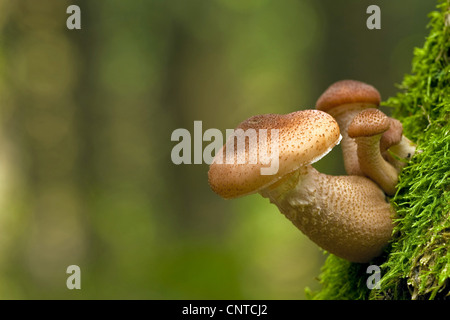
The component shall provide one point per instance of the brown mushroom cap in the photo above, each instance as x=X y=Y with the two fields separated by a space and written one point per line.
x=304 y=137
x=368 y=123
x=347 y=92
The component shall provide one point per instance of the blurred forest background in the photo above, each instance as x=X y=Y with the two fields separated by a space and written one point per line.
x=86 y=118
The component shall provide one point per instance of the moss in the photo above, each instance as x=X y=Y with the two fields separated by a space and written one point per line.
x=416 y=265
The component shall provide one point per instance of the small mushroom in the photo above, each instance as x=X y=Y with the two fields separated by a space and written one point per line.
x=367 y=128
x=391 y=137
x=395 y=147
x=344 y=100
x=345 y=215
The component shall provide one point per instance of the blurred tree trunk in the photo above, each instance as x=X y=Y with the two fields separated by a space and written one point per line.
x=42 y=75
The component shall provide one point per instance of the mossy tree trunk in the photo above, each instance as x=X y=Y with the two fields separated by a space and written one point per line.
x=416 y=265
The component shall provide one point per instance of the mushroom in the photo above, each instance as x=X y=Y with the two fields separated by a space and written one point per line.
x=367 y=128
x=345 y=215
x=395 y=147
x=344 y=100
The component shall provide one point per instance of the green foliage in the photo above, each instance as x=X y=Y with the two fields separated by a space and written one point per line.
x=341 y=279
x=417 y=262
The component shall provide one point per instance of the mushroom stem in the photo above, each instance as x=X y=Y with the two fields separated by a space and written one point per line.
x=373 y=164
x=345 y=215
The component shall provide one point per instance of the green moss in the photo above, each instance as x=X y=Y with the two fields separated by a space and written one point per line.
x=417 y=262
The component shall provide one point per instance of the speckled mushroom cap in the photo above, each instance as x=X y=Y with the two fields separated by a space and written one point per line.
x=368 y=123
x=304 y=137
x=347 y=92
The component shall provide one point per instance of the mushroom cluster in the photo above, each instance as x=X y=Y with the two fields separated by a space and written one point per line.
x=344 y=100
x=348 y=216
